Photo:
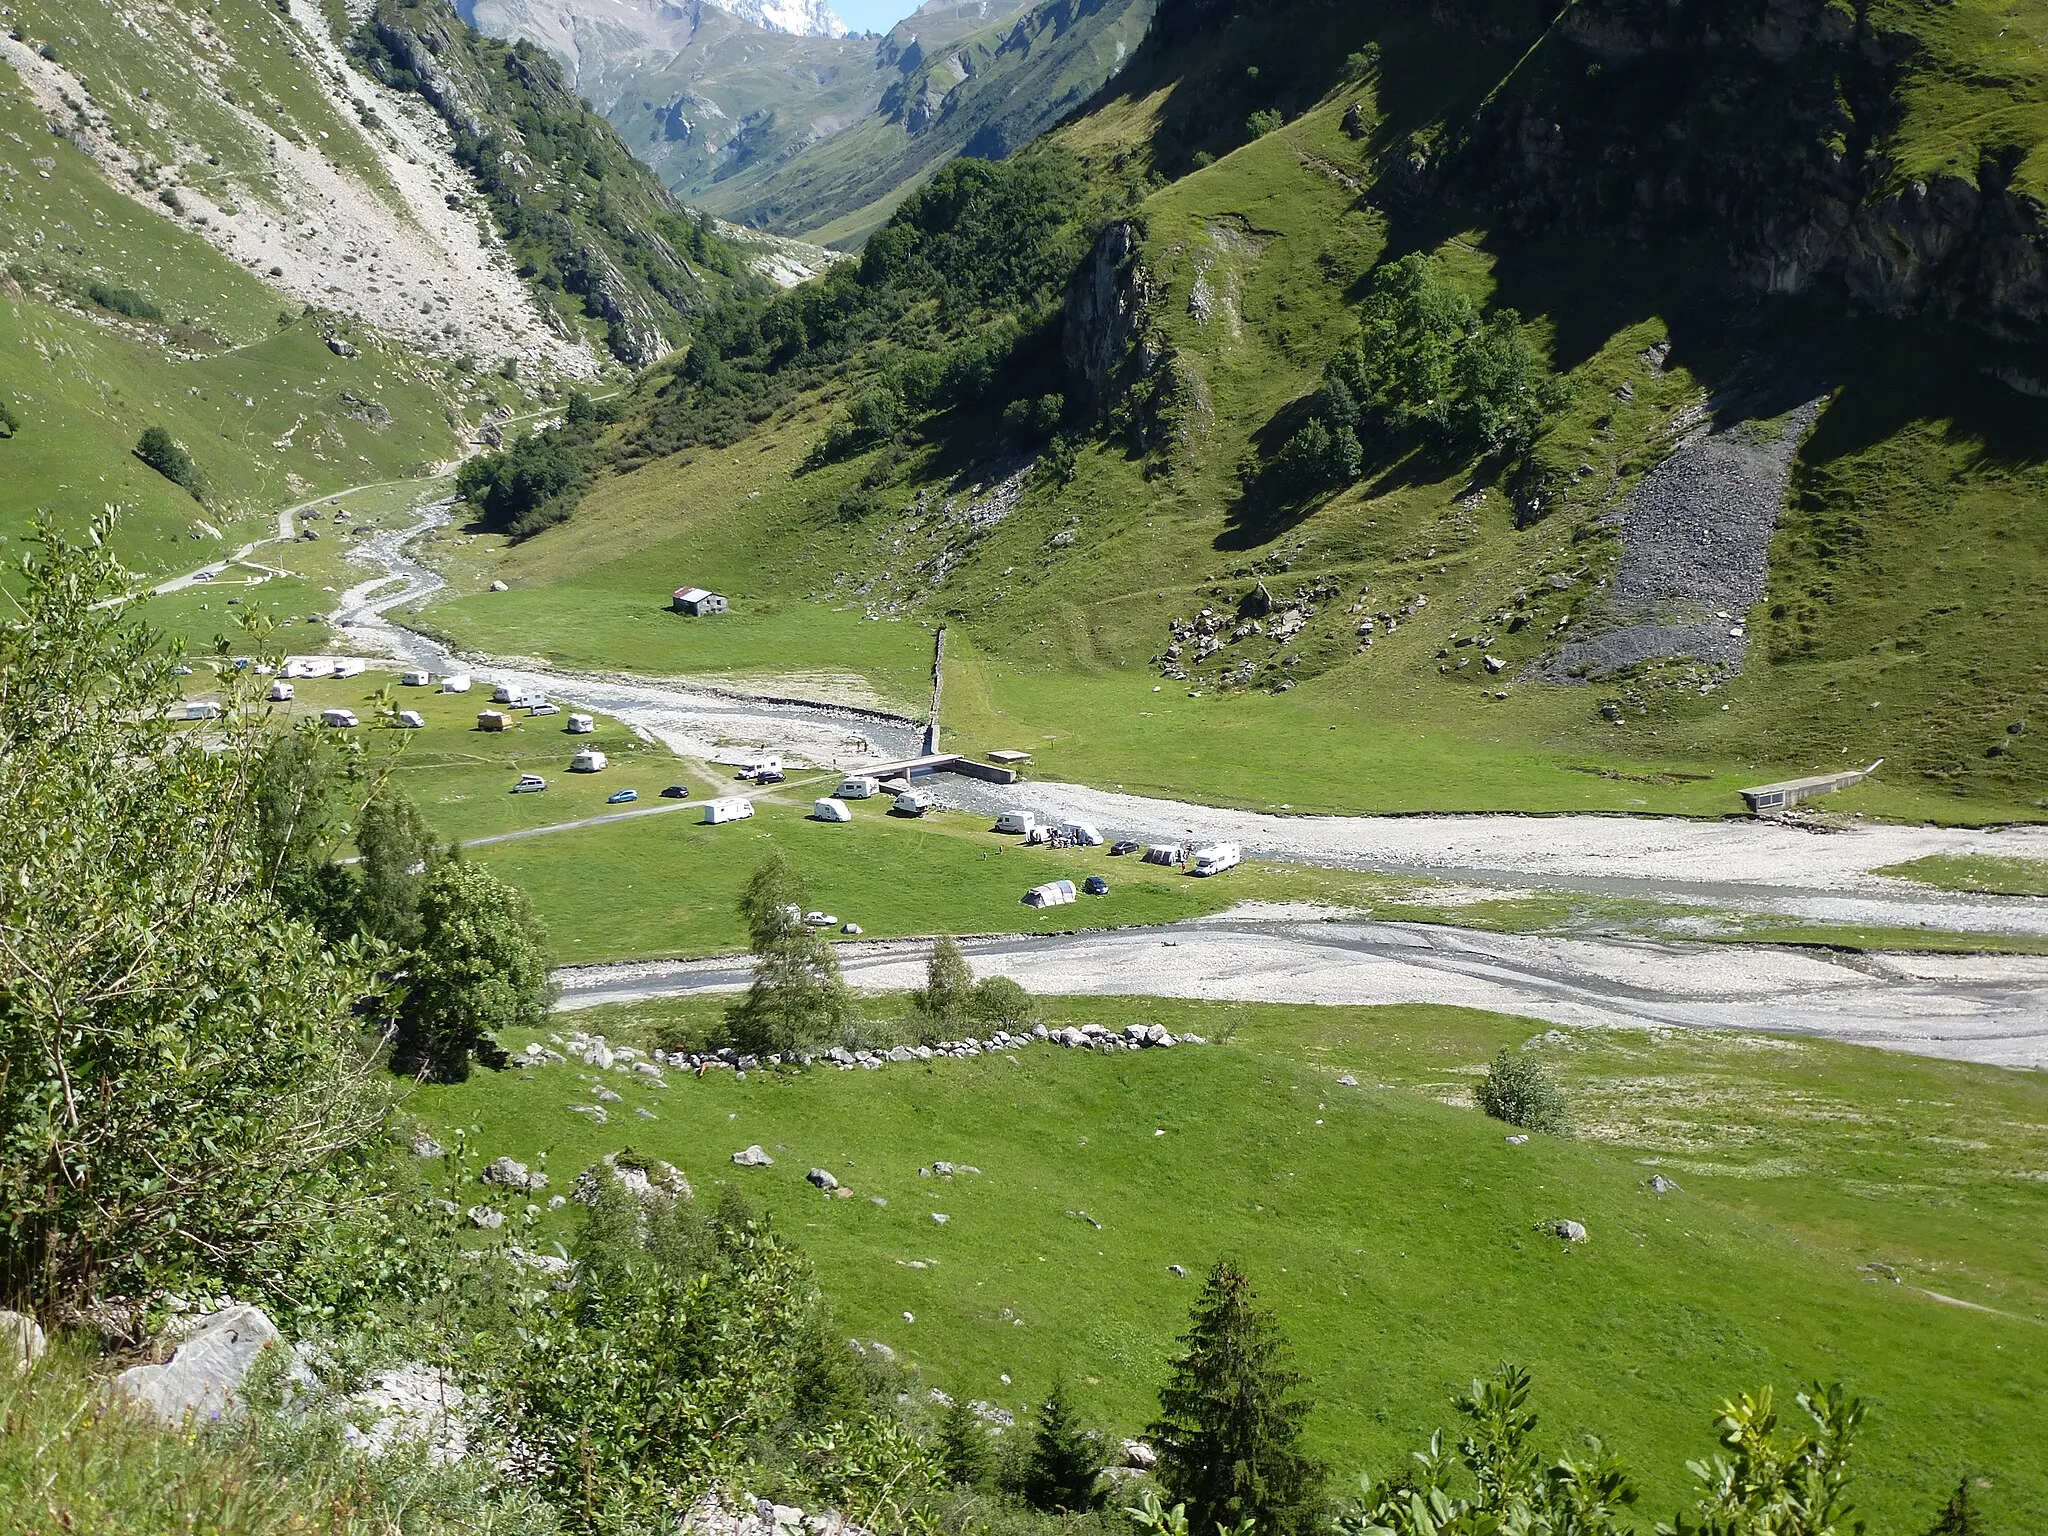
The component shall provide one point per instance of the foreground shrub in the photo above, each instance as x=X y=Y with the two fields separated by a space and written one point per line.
x=184 y=1090
x=1519 y=1091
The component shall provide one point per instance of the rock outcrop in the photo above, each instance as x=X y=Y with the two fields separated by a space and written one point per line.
x=203 y=1379
x=1773 y=134
x=1102 y=335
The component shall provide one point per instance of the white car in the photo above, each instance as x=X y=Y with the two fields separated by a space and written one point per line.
x=543 y=709
x=529 y=783
x=821 y=920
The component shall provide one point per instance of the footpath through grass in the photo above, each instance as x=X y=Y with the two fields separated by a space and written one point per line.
x=1401 y=1239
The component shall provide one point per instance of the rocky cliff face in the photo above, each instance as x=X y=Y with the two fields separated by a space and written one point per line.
x=1765 y=123
x=1105 y=315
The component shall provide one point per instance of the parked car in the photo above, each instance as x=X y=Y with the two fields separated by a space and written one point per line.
x=821 y=920
x=768 y=776
x=1095 y=885
x=1123 y=846
x=622 y=797
x=676 y=792
x=529 y=783
x=543 y=708
x=181 y=670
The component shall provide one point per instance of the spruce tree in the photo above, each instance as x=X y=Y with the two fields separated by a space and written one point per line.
x=1229 y=1426
x=1064 y=1463
x=1958 y=1516
x=963 y=1446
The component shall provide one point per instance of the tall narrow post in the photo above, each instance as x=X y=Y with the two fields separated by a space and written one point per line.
x=931 y=729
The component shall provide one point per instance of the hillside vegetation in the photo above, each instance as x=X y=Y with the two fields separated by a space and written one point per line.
x=1770 y=501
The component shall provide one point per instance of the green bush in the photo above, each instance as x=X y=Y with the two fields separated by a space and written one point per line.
x=1517 y=1090
x=124 y=301
x=797 y=999
x=9 y=422
x=1003 y=1001
x=1259 y=124
x=185 y=1092
x=163 y=453
x=481 y=966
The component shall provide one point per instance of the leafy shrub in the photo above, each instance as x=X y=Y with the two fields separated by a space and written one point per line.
x=124 y=301
x=9 y=422
x=481 y=966
x=185 y=1092
x=797 y=998
x=164 y=454
x=1001 y=1000
x=1259 y=124
x=1517 y=1090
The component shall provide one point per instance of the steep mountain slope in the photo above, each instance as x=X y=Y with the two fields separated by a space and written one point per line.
x=217 y=224
x=804 y=134
x=1743 y=518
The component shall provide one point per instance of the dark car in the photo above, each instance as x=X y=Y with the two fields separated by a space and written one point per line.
x=1122 y=847
x=622 y=797
x=1095 y=885
x=676 y=792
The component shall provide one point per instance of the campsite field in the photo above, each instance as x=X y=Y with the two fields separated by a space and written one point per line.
x=1825 y=1192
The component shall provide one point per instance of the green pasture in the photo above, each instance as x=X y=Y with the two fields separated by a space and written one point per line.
x=1824 y=1193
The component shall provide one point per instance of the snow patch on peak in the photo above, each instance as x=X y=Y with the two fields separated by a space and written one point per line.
x=801 y=18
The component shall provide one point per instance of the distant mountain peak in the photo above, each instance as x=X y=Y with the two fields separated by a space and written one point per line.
x=800 y=18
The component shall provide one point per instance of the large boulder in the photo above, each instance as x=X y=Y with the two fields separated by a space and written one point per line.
x=21 y=1342
x=204 y=1378
x=752 y=1157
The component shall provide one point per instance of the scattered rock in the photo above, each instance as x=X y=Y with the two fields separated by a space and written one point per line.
x=823 y=1179
x=489 y=1218
x=753 y=1157
x=203 y=1379
x=1140 y=1455
x=499 y=586
x=424 y=1145
x=341 y=348
x=21 y=1342
x=1570 y=1231
x=508 y=1174
x=411 y=1403
x=940 y=1218
x=1177 y=1270
x=1347 y=1081
x=1659 y=1185
x=1518 y=1141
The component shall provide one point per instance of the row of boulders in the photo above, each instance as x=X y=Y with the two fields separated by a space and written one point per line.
x=596 y=1051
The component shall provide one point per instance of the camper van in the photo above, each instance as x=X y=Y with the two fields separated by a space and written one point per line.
x=409 y=720
x=580 y=725
x=830 y=810
x=1054 y=893
x=914 y=802
x=504 y=693
x=1081 y=833
x=858 y=786
x=309 y=666
x=1015 y=823
x=589 y=760
x=281 y=692
x=459 y=683
x=415 y=677
x=493 y=720
x=348 y=666
x=340 y=719
x=729 y=808
x=201 y=709
x=1214 y=858
x=767 y=770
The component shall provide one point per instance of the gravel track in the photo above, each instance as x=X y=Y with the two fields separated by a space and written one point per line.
x=1989 y=1009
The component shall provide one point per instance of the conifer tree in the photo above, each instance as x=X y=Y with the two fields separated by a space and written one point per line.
x=963 y=1446
x=1958 y=1516
x=1229 y=1426
x=1064 y=1463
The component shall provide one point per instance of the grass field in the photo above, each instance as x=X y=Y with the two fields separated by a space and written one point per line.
x=1397 y=1235
x=1976 y=872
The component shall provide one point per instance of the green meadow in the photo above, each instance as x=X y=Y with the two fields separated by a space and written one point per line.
x=1840 y=1213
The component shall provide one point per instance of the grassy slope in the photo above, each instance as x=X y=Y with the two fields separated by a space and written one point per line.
x=1395 y=1234
x=231 y=371
x=1911 y=436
